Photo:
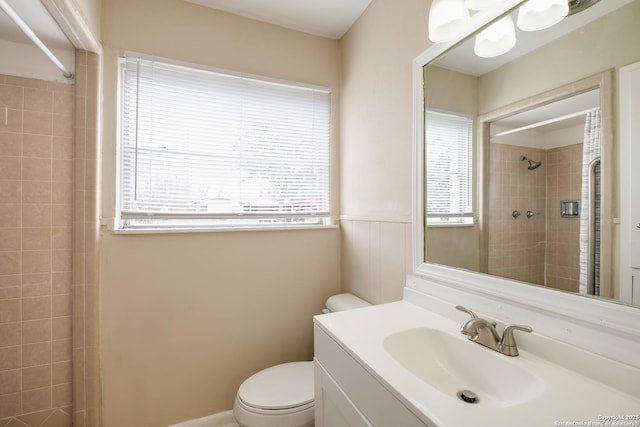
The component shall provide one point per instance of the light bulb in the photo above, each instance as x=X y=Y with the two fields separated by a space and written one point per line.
x=482 y=4
x=497 y=39
x=447 y=20
x=537 y=15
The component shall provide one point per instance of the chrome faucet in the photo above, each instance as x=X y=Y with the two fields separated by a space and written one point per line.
x=484 y=333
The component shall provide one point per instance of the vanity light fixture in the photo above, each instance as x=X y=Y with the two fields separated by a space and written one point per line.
x=482 y=4
x=537 y=15
x=497 y=39
x=447 y=20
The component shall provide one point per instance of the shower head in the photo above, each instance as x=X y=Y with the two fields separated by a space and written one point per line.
x=533 y=164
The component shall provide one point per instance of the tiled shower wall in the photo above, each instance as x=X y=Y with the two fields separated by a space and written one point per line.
x=516 y=245
x=48 y=250
x=36 y=214
x=564 y=182
x=543 y=249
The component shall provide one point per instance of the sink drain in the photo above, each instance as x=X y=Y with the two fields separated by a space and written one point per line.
x=468 y=396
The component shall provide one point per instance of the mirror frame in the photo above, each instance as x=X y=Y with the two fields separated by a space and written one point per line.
x=603 y=315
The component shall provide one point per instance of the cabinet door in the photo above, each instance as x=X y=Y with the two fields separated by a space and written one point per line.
x=333 y=407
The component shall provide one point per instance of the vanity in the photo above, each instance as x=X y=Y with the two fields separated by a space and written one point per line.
x=512 y=253
x=407 y=364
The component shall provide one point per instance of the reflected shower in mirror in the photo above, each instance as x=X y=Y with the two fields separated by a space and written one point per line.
x=537 y=168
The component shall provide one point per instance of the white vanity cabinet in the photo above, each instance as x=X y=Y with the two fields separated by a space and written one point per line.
x=348 y=395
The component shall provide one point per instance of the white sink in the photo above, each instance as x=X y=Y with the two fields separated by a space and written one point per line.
x=424 y=361
x=451 y=364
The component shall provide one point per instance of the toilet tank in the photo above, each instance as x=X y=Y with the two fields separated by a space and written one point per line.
x=346 y=301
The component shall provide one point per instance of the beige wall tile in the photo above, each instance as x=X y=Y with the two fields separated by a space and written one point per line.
x=61 y=260
x=62 y=395
x=9 y=292
x=36 y=354
x=10 y=215
x=36 y=169
x=10 y=334
x=58 y=418
x=10 y=405
x=61 y=327
x=10 y=311
x=36 y=418
x=61 y=238
x=37 y=284
x=37 y=146
x=10 y=168
x=61 y=283
x=36 y=331
x=61 y=372
x=63 y=147
x=63 y=170
x=63 y=125
x=61 y=305
x=40 y=100
x=36 y=215
x=36 y=308
x=13 y=123
x=62 y=193
x=36 y=261
x=36 y=377
x=38 y=123
x=10 y=381
x=62 y=215
x=36 y=192
x=10 y=263
x=61 y=350
x=11 y=191
x=10 y=358
x=35 y=238
x=12 y=96
x=36 y=400
x=10 y=239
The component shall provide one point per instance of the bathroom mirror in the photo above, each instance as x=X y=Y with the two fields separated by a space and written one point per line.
x=529 y=110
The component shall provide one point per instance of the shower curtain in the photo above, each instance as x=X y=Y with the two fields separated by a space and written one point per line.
x=590 y=152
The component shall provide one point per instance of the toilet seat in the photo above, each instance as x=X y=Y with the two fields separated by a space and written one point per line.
x=284 y=387
x=280 y=396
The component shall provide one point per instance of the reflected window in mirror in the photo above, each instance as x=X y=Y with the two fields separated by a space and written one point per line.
x=448 y=159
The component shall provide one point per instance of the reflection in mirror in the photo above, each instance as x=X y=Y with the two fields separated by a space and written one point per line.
x=544 y=204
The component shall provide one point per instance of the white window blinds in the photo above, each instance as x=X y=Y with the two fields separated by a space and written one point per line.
x=206 y=149
x=448 y=160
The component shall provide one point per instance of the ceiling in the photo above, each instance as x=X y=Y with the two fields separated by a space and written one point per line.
x=38 y=19
x=326 y=18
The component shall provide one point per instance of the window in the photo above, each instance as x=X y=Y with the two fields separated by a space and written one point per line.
x=448 y=160
x=205 y=149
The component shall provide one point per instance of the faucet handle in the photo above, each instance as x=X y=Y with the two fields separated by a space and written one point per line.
x=508 y=342
x=466 y=310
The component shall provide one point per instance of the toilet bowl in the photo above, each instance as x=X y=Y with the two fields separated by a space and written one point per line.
x=282 y=395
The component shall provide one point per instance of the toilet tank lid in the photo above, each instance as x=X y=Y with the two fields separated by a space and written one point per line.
x=284 y=386
x=345 y=301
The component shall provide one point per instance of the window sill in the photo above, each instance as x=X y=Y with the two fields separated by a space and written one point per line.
x=450 y=225
x=216 y=230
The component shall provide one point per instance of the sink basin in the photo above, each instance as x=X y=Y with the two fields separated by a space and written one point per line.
x=451 y=364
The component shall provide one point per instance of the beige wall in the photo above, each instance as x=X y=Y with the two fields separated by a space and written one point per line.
x=186 y=317
x=376 y=146
x=36 y=213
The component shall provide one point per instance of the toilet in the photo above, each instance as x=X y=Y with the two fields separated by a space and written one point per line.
x=282 y=395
